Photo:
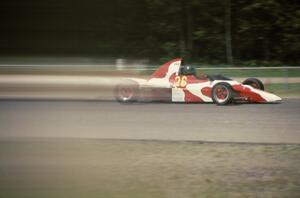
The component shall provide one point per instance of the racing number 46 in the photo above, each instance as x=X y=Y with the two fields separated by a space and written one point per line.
x=180 y=81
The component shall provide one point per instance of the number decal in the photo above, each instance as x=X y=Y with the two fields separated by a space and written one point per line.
x=180 y=81
x=177 y=81
x=183 y=81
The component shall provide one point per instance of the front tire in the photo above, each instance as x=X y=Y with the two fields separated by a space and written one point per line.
x=127 y=92
x=255 y=83
x=222 y=93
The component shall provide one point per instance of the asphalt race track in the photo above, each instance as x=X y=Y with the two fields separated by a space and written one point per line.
x=254 y=123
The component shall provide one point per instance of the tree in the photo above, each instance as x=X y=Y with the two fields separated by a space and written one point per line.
x=228 y=32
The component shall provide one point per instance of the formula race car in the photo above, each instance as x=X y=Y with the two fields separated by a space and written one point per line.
x=174 y=82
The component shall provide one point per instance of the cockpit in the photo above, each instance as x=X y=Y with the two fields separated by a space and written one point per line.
x=190 y=70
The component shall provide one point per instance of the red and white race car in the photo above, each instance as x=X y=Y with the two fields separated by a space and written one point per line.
x=174 y=82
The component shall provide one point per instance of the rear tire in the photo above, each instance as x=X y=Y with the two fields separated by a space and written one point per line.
x=127 y=92
x=222 y=93
x=255 y=83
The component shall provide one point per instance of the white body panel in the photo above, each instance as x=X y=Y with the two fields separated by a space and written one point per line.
x=177 y=95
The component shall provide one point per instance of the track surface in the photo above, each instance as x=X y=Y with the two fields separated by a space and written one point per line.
x=268 y=123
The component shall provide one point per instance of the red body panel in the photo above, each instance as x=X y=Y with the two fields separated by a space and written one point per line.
x=245 y=92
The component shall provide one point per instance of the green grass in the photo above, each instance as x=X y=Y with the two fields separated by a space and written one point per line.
x=254 y=73
x=95 y=70
x=246 y=73
x=284 y=90
x=133 y=169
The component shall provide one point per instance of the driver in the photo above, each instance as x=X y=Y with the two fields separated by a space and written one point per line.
x=188 y=70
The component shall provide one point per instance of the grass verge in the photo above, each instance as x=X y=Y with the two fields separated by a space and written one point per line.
x=284 y=90
x=255 y=73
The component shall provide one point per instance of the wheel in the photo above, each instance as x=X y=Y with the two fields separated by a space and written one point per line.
x=222 y=93
x=127 y=92
x=255 y=83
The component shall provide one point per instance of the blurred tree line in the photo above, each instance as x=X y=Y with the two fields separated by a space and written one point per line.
x=238 y=32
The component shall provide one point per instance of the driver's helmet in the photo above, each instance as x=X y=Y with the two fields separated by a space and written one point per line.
x=188 y=70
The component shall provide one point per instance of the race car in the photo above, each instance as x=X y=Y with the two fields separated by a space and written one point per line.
x=176 y=82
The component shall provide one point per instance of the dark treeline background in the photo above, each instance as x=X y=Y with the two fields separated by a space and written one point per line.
x=213 y=31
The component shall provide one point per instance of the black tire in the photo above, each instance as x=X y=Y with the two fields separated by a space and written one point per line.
x=222 y=93
x=127 y=92
x=255 y=83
